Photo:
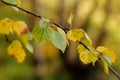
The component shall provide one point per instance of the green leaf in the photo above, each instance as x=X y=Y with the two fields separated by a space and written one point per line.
x=41 y=35
x=70 y=19
x=62 y=33
x=11 y=1
x=59 y=39
x=44 y=22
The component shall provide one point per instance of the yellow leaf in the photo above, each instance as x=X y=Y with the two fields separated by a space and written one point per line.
x=106 y=51
x=70 y=19
x=106 y=69
x=88 y=57
x=20 y=27
x=19 y=2
x=24 y=39
x=81 y=48
x=75 y=35
x=15 y=49
x=6 y=26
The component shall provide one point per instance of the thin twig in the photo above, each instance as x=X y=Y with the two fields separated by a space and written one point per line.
x=84 y=45
x=58 y=25
x=114 y=72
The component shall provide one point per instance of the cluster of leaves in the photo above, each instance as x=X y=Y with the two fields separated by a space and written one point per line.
x=87 y=53
x=17 y=34
x=46 y=30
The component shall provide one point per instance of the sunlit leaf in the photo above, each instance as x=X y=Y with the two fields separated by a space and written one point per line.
x=107 y=54
x=75 y=35
x=6 y=26
x=15 y=49
x=81 y=48
x=88 y=57
x=86 y=40
x=59 y=39
x=63 y=33
x=20 y=27
x=19 y=2
x=70 y=19
x=29 y=47
x=41 y=35
x=106 y=69
x=24 y=39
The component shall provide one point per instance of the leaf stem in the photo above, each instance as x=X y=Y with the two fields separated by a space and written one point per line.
x=58 y=25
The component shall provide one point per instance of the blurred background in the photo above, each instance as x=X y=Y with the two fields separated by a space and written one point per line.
x=99 y=18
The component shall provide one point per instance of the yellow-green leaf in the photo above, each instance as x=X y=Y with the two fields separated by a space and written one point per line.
x=12 y=1
x=15 y=49
x=105 y=65
x=24 y=39
x=86 y=40
x=70 y=19
x=81 y=48
x=41 y=35
x=15 y=2
x=75 y=35
x=109 y=55
x=88 y=57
